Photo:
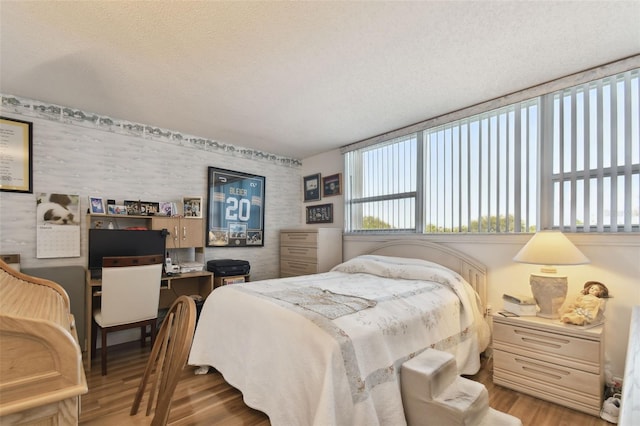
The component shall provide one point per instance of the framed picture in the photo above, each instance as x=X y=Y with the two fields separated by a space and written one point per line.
x=166 y=209
x=96 y=204
x=148 y=208
x=332 y=185
x=311 y=186
x=116 y=209
x=16 y=152
x=132 y=207
x=235 y=209
x=192 y=206
x=322 y=213
x=57 y=225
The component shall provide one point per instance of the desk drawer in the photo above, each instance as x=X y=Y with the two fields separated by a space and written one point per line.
x=522 y=339
x=309 y=239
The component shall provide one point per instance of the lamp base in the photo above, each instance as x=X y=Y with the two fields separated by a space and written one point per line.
x=550 y=291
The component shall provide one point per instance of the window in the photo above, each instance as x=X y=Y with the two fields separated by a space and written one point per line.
x=382 y=186
x=480 y=172
x=568 y=160
x=594 y=170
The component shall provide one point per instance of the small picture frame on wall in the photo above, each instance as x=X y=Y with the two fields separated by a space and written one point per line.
x=332 y=185
x=96 y=205
x=321 y=213
x=192 y=206
x=311 y=187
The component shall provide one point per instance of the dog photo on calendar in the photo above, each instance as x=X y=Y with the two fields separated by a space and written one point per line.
x=57 y=209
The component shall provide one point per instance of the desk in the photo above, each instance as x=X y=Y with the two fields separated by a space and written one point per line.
x=187 y=283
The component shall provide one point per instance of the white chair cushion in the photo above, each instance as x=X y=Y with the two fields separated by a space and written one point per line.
x=129 y=294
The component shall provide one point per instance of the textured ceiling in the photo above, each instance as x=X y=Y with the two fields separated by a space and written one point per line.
x=298 y=78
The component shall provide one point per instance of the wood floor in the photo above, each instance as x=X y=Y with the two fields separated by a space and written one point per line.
x=209 y=400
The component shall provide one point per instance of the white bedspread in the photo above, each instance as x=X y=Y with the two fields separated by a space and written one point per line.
x=326 y=349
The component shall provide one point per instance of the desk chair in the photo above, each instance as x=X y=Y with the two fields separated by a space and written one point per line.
x=130 y=296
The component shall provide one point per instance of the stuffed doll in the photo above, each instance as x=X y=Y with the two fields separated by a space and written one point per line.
x=588 y=306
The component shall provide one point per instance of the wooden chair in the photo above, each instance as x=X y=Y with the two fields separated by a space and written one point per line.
x=162 y=373
x=167 y=360
x=130 y=296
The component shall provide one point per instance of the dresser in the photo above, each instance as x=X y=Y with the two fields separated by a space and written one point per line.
x=550 y=360
x=306 y=251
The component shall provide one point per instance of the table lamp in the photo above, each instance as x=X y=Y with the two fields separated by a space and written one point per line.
x=549 y=248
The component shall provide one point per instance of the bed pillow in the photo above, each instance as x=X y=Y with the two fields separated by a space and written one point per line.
x=397 y=267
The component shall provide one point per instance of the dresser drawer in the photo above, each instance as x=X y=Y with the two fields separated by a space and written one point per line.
x=523 y=340
x=545 y=375
x=308 y=253
x=309 y=239
x=289 y=267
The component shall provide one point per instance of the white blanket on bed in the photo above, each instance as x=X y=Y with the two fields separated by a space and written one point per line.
x=326 y=349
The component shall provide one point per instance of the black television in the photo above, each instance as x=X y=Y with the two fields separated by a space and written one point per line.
x=121 y=242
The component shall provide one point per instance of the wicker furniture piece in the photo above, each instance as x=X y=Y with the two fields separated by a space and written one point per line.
x=41 y=374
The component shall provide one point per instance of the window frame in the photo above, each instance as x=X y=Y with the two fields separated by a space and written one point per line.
x=546 y=179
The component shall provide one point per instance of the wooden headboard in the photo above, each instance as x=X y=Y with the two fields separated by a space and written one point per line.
x=470 y=269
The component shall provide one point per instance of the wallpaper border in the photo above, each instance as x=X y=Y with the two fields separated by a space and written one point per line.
x=76 y=117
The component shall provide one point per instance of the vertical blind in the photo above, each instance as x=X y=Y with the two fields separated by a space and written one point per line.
x=595 y=172
x=382 y=186
x=480 y=172
x=568 y=160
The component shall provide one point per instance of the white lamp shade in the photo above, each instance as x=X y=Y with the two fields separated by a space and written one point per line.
x=550 y=248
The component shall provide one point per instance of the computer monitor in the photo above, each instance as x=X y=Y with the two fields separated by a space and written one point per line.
x=121 y=242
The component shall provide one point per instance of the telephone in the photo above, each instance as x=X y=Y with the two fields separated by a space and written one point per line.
x=519 y=299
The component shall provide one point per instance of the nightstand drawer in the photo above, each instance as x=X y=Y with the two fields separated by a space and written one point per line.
x=522 y=339
x=310 y=253
x=309 y=239
x=540 y=374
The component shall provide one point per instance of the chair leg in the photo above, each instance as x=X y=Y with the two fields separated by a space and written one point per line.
x=103 y=351
x=153 y=332
x=143 y=335
x=94 y=337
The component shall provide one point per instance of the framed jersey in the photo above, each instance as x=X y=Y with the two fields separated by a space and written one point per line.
x=235 y=210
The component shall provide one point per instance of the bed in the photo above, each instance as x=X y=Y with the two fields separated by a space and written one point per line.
x=325 y=349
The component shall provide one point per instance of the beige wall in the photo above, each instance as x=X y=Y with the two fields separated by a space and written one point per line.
x=326 y=164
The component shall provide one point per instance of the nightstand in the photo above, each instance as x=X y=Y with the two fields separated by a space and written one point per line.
x=550 y=360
